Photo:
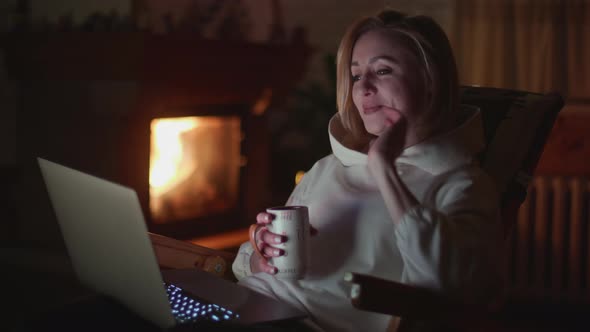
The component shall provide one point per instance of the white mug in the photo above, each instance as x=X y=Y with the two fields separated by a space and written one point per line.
x=293 y=223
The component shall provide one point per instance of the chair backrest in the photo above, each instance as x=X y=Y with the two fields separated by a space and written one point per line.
x=516 y=127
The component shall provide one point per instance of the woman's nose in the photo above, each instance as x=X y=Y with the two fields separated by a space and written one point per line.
x=368 y=86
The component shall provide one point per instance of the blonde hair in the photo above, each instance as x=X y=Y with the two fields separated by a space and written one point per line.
x=430 y=43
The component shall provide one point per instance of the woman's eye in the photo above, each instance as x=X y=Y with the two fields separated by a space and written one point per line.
x=356 y=78
x=383 y=71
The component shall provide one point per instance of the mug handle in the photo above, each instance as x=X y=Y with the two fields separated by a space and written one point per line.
x=252 y=231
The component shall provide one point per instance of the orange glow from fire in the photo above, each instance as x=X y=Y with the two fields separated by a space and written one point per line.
x=167 y=164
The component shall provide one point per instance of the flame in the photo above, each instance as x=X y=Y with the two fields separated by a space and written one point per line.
x=166 y=169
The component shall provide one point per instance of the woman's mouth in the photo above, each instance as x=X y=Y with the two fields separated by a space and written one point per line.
x=371 y=109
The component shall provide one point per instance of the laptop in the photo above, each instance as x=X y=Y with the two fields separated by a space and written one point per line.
x=106 y=238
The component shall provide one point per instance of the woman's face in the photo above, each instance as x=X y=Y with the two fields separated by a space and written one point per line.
x=387 y=81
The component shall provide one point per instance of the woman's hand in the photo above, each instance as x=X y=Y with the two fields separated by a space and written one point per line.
x=262 y=240
x=383 y=152
x=389 y=145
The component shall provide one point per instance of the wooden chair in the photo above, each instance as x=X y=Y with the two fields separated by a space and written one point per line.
x=516 y=127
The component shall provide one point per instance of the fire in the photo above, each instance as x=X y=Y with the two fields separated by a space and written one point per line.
x=167 y=165
x=194 y=166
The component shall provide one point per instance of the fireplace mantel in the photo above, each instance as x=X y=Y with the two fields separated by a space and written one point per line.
x=213 y=68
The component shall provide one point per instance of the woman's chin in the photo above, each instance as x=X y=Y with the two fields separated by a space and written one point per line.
x=376 y=131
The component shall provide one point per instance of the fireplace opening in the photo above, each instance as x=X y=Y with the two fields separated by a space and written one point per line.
x=194 y=169
x=198 y=168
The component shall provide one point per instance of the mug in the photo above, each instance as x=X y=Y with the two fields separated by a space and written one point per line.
x=292 y=222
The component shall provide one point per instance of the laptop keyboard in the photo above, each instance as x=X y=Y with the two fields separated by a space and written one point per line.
x=188 y=310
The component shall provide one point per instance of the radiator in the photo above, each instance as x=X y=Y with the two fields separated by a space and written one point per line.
x=549 y=245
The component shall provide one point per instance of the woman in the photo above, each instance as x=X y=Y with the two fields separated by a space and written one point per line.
x=402 y=196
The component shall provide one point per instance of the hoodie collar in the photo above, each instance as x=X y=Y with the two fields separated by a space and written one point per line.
x=435 y=155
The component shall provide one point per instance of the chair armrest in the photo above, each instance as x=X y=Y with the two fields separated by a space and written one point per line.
x=393 y=298
x=176 y=254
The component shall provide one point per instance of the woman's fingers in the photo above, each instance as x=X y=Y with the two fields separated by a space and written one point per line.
x=265 y=244
x=271 y=251
x=393 y=115
x=271 y=238
x=262 y=261
x=264 y=266
x=263 y=240
x=261 y=264
x=264 y=218
x=390 y=143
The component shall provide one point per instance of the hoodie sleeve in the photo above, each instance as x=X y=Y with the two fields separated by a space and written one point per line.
x=453 y=242
x=241 y=265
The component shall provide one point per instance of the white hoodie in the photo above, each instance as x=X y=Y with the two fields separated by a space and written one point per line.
x=450 y=242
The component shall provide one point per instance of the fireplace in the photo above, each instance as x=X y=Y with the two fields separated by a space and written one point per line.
x=222 y=115
x=191 y=167
x=211 y=98
x=199 y=169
